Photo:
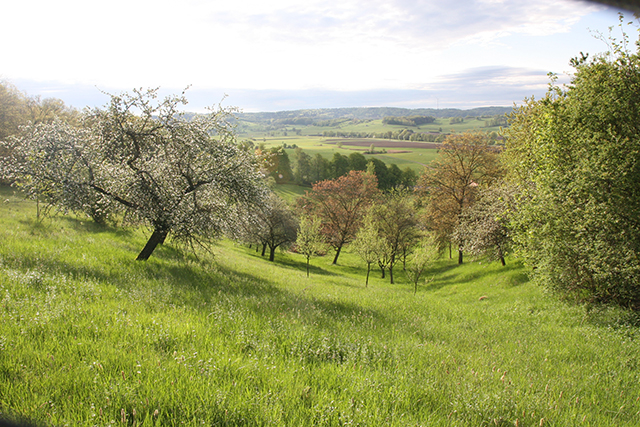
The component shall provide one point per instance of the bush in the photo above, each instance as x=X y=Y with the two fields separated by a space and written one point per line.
x=575 y=155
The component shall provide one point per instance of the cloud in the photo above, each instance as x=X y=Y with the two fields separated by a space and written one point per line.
x=406 y=22
x=495 y=77
x=352 y=50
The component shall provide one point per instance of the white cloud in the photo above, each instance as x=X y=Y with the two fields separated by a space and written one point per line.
x=346 y=45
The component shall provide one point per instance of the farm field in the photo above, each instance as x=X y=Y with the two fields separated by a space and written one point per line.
x=403 y=153
x=88 y=336
x=440 y=125
x=315 y=139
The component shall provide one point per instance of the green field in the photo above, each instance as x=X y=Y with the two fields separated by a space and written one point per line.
x=441 y=125
x=415 y=158
x=310 y=138
x=89 y=337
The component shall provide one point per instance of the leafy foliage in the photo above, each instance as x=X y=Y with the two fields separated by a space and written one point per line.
x=396 y=222
x=49 y=162
x=17 y=109
x=340 y=205
x=449 y=184
x=275 y=163
x=409 y=120
x=483 y=228
x=424 y=255
x=575 y=155
x=309 y=241
x=368 y=245
x=276 y=226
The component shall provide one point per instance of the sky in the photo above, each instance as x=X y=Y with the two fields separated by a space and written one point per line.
x=279 y=55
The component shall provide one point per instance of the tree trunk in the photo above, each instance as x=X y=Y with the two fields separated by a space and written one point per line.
x=459 y=256
x=366 y=283
x=157 y=238
x=335 y=259
x=264 y=249
x=272 y=253
x=308 y=266
x=391 y=275
x=501 y=256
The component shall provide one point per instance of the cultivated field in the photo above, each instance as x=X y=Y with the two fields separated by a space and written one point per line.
x=403 y=153
x=440 y=125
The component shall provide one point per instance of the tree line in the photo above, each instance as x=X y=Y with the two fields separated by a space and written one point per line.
x=139 y=160
x=402 y=225
x=18 y=109
x=370 y=113
x=305 y=170
x=402 y=135
x=408 y=120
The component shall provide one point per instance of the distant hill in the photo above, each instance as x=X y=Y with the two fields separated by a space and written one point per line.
x=370 y=113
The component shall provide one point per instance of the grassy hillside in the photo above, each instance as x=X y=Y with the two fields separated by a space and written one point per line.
x=397 y=152
x=88 y=336
x=443 y=125
x=365 y=113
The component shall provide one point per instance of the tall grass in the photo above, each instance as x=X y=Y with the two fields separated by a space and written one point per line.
x=88 y=336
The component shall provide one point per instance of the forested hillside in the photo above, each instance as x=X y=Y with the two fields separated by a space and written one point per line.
x=366 y=113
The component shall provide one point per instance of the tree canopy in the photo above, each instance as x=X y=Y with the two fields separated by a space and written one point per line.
x=276 y=226
x=340 y=205
x=465 y=163
x=395 y=220
x=139 y=154
x=575 y=157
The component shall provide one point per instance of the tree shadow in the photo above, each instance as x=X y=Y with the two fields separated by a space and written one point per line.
x=201 y=283
x=449 y=274
x=287 y=261
x=47 y=226
x=263 y=296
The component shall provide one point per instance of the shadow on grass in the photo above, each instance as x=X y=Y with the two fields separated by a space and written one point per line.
x=286 y=261
x=300 y=265
x=262 y=296
x=454 y=274
x=48 y=226
x=198 y=283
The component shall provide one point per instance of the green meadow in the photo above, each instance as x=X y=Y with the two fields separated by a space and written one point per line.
x=90 y=337
x=415 y=158
x=310 y=139
x=441 y=125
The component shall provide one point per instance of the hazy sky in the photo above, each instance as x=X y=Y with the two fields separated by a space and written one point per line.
x=285 y=54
